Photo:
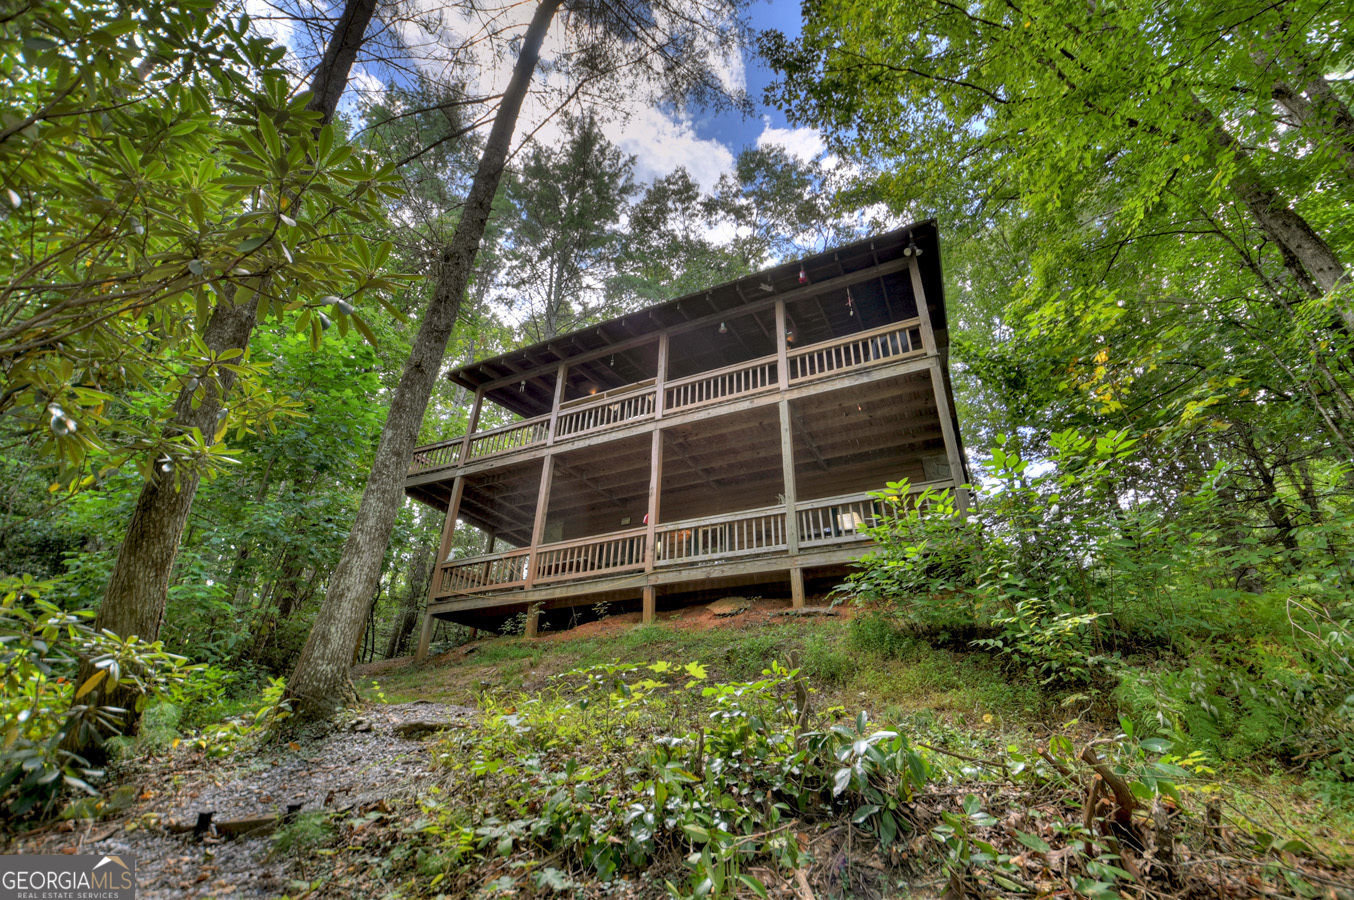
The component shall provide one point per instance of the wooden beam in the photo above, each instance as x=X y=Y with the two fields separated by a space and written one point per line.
x=650 y=604
x=787 y=463
x=796 y=587
x=591 y=485
x=561 y=376
x=682 y=455
x=928 y=337
x=655 y=492
x=749 y=306
x=866 y=375
x=947 y=429
x=471 y=424
x=661 y=378
x=808 y=439
x=443 y=550
x=782 y=349
x=538 y=524
x=695 y=576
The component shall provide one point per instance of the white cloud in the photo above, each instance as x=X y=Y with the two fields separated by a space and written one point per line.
x=804 y=143
x=661 y=143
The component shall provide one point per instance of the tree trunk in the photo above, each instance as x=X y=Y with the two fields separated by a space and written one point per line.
x=1280 y=222
x=419 y=575
x=138 y=588
x=320 y=681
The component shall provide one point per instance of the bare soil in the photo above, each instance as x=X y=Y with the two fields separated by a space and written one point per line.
x=343 y=769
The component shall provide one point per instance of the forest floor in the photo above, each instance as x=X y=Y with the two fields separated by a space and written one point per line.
x=360 y=791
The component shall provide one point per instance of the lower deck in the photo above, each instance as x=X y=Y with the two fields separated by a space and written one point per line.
x=714 y=552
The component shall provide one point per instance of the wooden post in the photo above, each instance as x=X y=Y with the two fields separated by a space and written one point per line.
x=538 y=525
x=650 y=603
x=661 y=379
x=787 y=462
x=947 y=431
x=655 y=488
x=425 y=636
x=560 y=375
x=782 y=348
x=796 y=587
x=471 y=425
x=533 y=620
x=443 y=551
x=928 y=337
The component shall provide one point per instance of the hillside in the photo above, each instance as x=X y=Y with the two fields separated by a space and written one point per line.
x=619 y=760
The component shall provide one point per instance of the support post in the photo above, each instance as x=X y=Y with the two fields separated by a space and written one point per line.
x=538 y=524
x=787 y=462
x=797 y=587
x=443 y=551
x=782 y=348
x=655 y=486
x=947 y=431
x=425 y=636
x=661 y=379
x=471 y=424
x=533 y=620
x=650 y=604
x=560 y=375
x=928 y=337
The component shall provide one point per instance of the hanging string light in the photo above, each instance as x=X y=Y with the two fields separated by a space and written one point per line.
x=850 y=303
x=522 y=387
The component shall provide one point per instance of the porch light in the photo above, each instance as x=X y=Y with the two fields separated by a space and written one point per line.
x=803 y=276
x=522 y=387
x=768 y=287
x=723 y=329
x=912 y=249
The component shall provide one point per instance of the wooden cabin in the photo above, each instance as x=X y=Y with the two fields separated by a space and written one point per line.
x=722 y=440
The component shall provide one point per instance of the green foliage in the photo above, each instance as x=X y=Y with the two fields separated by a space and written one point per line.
x=41 y=701
x=158 y=167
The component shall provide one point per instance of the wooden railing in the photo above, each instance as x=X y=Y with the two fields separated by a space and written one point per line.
x=635 y=403
x=589 y=557
x=436 y=456
x=605 y=413
x=890 y=342
x=483 y=573
x=821 y=523
x=717 y=537
x=510 y=437
x=721 y=384
x=836 y=519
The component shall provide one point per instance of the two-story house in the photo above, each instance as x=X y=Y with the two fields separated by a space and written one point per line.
x=723 y=439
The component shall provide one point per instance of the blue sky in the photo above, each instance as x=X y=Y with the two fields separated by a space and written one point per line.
x=733 y=130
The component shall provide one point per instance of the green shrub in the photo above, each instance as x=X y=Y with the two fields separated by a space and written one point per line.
x=41 y=704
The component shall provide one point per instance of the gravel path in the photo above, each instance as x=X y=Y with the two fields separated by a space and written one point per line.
x=343 y=769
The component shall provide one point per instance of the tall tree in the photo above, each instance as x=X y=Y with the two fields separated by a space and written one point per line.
x=612 y=37
x=563 y=240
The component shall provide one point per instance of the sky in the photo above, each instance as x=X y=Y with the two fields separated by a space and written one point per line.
x=706 y=143
x=703 y=141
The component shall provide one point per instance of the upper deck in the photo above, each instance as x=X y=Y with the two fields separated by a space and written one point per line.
x=849 y=314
